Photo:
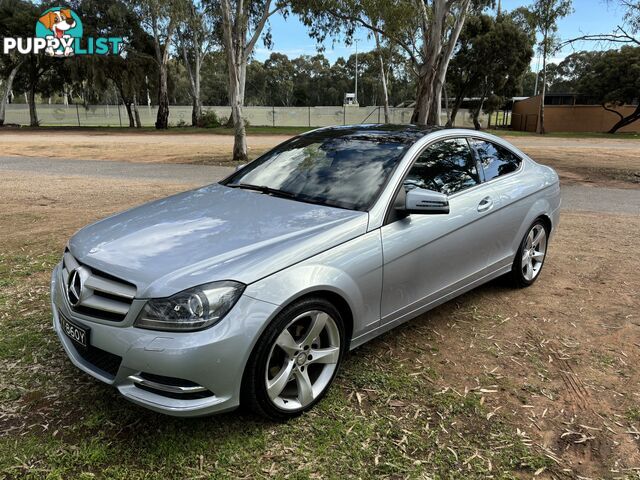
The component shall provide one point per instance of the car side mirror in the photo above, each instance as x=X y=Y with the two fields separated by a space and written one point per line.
x=426 y=202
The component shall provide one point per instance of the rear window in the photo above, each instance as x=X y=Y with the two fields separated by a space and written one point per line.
x=496 y=160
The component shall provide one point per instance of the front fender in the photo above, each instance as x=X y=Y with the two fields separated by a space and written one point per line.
x=352 y=270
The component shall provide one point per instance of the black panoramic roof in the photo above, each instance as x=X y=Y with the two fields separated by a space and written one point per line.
x=376 y=132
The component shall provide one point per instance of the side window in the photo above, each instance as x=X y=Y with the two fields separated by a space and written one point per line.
x=496 y=160
x=447 y=167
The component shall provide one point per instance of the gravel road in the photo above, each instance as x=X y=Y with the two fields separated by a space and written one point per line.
x=575 y=197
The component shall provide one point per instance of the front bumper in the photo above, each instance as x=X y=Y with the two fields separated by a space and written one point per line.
x=213 y=358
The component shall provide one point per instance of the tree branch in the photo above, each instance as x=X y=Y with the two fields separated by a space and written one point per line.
x=612 y=111
x=259 y=27
x=622 y=37
x=362 y=22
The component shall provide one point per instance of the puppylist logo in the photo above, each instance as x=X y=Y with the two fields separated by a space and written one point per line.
x=59 y=33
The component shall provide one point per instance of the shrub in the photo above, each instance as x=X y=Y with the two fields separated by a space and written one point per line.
x=209 y=119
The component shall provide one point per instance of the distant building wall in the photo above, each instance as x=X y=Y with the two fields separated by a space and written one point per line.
x=115 y=115
x=568 y=118
x=524 y=116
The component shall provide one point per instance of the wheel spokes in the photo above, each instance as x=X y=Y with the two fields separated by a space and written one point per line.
x=529 y=243
x=538 y=256
x=318 y=322
x=529 y=270
x=325 y=355
x=305 y=389
x=276 y=386
x=286 y=342
x=538 y=237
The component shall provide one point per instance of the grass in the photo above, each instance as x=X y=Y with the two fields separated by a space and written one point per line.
x=380 y=419
x=633 y=414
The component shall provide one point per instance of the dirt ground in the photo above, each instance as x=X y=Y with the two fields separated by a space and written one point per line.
x=596 y=161
x=198 y=148
x=558 y=362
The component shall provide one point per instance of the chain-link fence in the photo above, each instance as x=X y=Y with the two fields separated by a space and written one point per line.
x=116 y=115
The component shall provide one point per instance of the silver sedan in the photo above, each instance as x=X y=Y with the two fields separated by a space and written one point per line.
x=253 y=289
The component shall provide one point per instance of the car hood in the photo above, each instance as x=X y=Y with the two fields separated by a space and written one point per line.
x=209 y=234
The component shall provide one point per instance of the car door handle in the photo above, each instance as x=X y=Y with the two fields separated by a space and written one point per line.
x=485 y=204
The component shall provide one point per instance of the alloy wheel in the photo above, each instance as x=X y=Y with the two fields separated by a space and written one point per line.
x=534 y=251
x=303 y=360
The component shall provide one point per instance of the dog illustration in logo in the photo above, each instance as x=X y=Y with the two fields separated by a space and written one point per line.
x=59 y=22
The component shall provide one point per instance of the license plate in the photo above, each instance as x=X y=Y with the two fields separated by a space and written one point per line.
x=79 y=335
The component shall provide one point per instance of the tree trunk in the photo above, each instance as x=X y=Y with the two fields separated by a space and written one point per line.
x=194 y=81
x=438 y=51
x=540 y=128
x=196 y=115
x=136 y=112
x=456 y=108
x=628 y=120
x=476 y=113
x=235 y=43
x=446 y=103
x=240 y=135
x=7 y=91
x=383 y=76
x=127 y=105
x=162 y=120
x=33 y=112
x=424 y=93
x=238 y=51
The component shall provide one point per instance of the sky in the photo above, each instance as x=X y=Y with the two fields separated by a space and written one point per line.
x=589 y=17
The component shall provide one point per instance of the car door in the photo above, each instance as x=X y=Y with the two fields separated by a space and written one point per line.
x=500 y=167
x=427 y=257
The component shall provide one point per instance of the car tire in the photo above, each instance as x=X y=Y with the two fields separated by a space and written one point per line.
x=295 y=360
x=531 y=255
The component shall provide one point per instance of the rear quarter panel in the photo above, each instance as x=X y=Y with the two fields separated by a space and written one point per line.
x=523 y=197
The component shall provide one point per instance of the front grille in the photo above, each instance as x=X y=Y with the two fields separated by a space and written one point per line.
x=101 y=295
x=105 y=361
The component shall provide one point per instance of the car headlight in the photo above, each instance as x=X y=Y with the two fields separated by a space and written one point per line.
x=192 y=309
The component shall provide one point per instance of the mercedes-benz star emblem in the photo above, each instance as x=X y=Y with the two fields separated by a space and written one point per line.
x=75 y=284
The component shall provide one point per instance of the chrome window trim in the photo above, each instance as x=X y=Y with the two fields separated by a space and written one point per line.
x=500 y=177
x=379 y=213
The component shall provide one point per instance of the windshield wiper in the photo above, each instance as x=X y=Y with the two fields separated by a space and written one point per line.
x=262 y=189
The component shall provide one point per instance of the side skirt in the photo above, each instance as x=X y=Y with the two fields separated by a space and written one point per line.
x=364 y=338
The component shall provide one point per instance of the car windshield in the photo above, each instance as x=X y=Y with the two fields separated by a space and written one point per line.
x=346 y=171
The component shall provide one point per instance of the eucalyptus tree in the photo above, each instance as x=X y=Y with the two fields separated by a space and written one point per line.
x=161 y=19
x=17 y=20
x=243 y=22
x=426 y=30
x=127 y=71
x=198 y=34
x=545 y=14
x=280 y=76
x=383 y=75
